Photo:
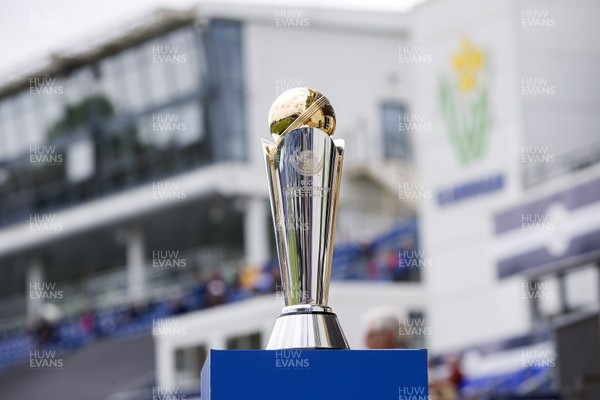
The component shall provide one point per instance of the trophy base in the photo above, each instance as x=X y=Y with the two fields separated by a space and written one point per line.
x=307 y=327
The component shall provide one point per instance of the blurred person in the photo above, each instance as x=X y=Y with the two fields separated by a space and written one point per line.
x=216 y=290
x=409 y=259
x=265 y=281
x=198 y=292
x=392 y=263
x=455 y=377
x=248 y=277
x=381 y=267
x=384 y=329
x=236 y=292
x=133 y=311
x=448 y=386
x=176 y=306
x=43 y=332
x=87 y=322
x=372 y=269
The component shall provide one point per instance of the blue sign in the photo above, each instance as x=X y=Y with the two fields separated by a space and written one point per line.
x=299 y=374
x=470 y=189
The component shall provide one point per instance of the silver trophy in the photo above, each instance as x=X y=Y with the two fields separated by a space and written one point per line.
x=304 y=168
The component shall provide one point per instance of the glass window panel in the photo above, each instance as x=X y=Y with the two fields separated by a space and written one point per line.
x=10 y=128
x=80 y=160
x=154 y=75
x=188 y=76
x=192 y=116
x=180 y=125
x=140 y=65
x=166 y=59
x=113 y=83
x=3 y=129
x=36 y=115
x=22 y=131
x=72 y=90
x=54 y=110
x=396 y=144
x=84 y=80
x=133 y=80
x=28 y=120
x=108 y=85
x=3 y=109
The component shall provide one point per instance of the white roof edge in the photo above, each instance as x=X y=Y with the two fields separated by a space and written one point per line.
x=321 y=18
x=228 y=179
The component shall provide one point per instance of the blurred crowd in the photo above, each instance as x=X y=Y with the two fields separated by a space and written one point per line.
x=210 y=291
x=389 y=258
x=384 y=330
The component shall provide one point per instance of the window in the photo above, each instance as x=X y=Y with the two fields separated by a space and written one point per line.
x=396 y=142
x=188 y=364
x=224 y=53
x=244 y=342
x=179 y=125
x=417 y=329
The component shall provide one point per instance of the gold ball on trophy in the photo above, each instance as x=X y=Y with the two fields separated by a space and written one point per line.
x=300 y=107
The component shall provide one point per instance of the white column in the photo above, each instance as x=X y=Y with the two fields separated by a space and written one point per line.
x=256 y=247
x=165 y=362
x=35 y=276
x=136 y=276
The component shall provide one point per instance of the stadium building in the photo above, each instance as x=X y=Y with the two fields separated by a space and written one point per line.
x=132 y=178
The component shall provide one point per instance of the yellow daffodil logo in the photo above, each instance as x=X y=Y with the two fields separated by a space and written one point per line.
x=464 y=101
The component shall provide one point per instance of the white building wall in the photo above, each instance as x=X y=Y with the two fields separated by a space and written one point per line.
x=354 y=62
x=353 y=58
x=556 y=39
x=466 y=299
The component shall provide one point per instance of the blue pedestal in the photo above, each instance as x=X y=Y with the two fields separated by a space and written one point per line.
x=315 y=375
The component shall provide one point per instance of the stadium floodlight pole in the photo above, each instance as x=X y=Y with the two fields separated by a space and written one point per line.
x=304 y=168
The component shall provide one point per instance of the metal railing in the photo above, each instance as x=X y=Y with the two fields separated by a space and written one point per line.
x=108 y=289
